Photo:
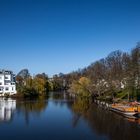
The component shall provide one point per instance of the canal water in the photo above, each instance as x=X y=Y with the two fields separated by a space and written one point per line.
x=61 y=118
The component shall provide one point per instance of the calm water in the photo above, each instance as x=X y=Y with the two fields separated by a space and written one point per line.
x=61 y=118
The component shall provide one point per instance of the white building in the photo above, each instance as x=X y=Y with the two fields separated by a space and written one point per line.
x=7 y=83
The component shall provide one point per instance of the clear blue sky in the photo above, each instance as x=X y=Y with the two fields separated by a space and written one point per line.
x=55 y=36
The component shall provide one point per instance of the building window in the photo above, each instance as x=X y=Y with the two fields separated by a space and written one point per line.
x=0 y=77
x=6 y=88
x=12 y=83
x=0 y=83
x=6 y=77
x=1 y=89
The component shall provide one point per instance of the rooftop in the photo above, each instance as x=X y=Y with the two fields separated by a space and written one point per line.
x=5 y=71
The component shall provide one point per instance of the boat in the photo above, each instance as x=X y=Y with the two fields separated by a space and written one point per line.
x=130 y=110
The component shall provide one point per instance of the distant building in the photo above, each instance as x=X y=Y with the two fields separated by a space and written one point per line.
x=7 y=83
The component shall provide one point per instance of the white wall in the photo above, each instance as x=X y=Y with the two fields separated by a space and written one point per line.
x=7 y=87
x=2 y=79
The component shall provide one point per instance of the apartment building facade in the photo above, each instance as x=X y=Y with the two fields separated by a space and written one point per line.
x=7 y=83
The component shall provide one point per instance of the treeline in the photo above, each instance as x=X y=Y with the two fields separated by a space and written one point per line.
x=37 y=85
x=112 y=78
x=115 y=77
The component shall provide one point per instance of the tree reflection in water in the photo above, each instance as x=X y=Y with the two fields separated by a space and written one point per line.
x=28 y=107
x=61 y=98
x=84 y=113
x=104 y=122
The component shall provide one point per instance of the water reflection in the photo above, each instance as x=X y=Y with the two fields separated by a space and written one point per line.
x=61 y=98
x=106 y=123
x=7 y=108
x=28 y=108
x=36 y=105
x=62 y=95
x=61 y=117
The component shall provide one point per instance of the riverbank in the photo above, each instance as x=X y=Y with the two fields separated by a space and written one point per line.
x=126 y=109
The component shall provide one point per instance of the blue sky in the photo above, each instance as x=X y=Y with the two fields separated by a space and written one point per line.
x=55 y=36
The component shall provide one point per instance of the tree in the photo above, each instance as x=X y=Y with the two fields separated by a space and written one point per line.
x=82 y=87
x=33 y=86
x=133 y=82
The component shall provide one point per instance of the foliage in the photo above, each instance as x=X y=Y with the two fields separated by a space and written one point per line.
x=118 y=73
x=82 y=87
x=32 y=86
